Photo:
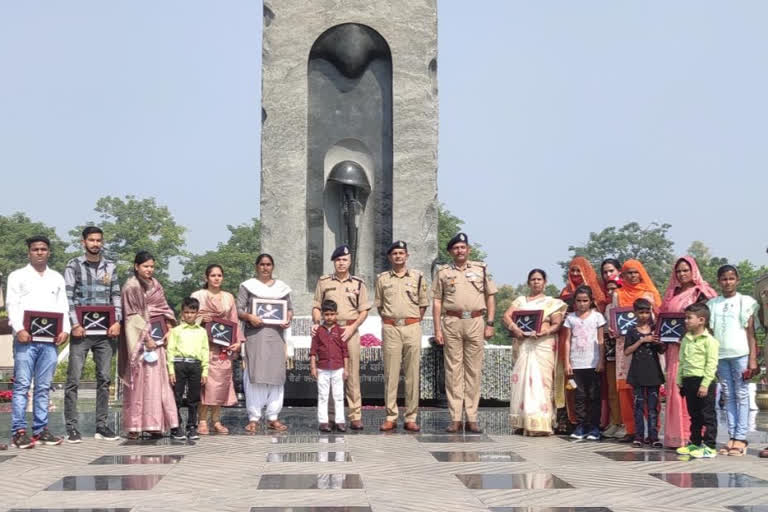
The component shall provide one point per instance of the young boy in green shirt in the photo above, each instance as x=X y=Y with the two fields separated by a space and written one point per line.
x=696 y=381
x=187 y=358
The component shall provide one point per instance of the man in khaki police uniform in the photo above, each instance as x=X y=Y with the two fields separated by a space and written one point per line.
x=401 y=298
x=351 y=297
x=464 y=293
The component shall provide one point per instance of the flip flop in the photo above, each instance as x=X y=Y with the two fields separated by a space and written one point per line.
x=727 y=448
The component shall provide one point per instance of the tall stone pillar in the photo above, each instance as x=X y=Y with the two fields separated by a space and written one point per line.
x=349 y=135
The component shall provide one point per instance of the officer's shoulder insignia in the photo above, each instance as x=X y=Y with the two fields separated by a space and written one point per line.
x=325 y=277
x=355 y=278
x=478 y=263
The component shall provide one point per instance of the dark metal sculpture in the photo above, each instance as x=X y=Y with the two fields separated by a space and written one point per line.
x=355 y=186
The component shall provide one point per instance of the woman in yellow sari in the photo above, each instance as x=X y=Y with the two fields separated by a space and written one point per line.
x=531 y=407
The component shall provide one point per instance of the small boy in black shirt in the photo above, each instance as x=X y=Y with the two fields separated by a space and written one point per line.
x=645 y=373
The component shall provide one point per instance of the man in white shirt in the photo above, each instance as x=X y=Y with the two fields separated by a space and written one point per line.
x=34 y=288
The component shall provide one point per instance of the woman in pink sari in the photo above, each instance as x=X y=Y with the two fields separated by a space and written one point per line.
x=686 y=286
x=148 y=403
x=219 y=389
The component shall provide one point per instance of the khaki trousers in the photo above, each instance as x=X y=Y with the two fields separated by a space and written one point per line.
x=401 y=345
x=352 y=385
x=464 y=351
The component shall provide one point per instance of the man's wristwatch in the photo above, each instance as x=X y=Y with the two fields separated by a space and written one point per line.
x=490 y=323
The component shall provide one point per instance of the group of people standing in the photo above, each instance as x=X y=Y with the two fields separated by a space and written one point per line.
x=576 y=373
x=159 y=375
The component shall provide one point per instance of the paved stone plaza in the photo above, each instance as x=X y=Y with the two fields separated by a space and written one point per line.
x=372 y=471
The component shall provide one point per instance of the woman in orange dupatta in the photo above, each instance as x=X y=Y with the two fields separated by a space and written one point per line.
x=636 y=284
x=686 y=287
x=219 y=389
x=580 y=272
x=148 y=403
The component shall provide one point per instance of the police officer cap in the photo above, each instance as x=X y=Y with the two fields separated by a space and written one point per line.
x=459 y=238
x=342 y=250
x=399 y=244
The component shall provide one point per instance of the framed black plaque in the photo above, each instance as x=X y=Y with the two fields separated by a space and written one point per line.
x=528 y=320
x=221 y=331
x=671 y=327
x=271 y=311
x=622 y=320
x=158 y=328
x=96 y=320
x=43 y=326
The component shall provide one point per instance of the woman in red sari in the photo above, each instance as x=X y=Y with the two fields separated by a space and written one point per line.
x=148 y=403
x=219 y=389
x=686 y=287
x=636 y=284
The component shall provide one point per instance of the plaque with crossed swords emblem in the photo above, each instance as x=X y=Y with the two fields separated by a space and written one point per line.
x=271 y=311
x=622 y=320
x=96 y=320
x=157 y=329
x=43 y=326
x=221 y=331
x=671 y=327
x=528 y=320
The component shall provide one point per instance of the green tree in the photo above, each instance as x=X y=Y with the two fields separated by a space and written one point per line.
x=14 y=230
x=131 y=225
x=237 y=257
x=648 y=244
x=447 y=226
x=708 y=265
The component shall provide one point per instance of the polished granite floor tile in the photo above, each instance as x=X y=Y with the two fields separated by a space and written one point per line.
x=644 y=456
x=311 y=509
x=105 y=483
x=721 y=480
x=513 y=481
x=70 y=510
x=137 y=459
x=312 y=481
x=453 y=438
x=339 y=456
x=4 y=458
x=549 y=509
x=163 y=441
x=477 y=457
x=329 y=439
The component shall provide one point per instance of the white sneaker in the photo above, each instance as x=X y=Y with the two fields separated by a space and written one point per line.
x=610 y=431
x=620 y=432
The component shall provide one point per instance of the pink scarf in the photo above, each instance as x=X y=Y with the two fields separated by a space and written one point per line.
x=677 y=303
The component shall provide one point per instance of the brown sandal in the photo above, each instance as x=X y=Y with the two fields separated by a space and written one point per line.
x=727 y=448
x=221 y=429
x=202 y=428
x=276 y=425
x=738 y=451
x=252 y=427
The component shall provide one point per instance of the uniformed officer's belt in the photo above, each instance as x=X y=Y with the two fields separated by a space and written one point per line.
x=185 y=360
x=466 y=314
x=400 y=321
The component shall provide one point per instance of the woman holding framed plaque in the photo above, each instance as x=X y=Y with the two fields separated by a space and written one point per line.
x=217 y=304
x=531 y=407
x=264 y=306
x=635 y=284
x=686 y=287
x=148 y=403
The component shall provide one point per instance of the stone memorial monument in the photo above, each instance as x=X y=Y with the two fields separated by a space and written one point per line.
x=349 y=136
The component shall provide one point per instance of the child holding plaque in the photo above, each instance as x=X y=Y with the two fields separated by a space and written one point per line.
x=733 y=323
x=584 y=361
x=645 y=375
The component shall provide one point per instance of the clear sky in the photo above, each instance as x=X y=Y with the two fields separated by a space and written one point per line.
x=556 y=117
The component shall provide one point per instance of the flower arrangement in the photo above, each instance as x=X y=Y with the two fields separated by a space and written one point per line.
x=5 y=396
x=369 y=340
